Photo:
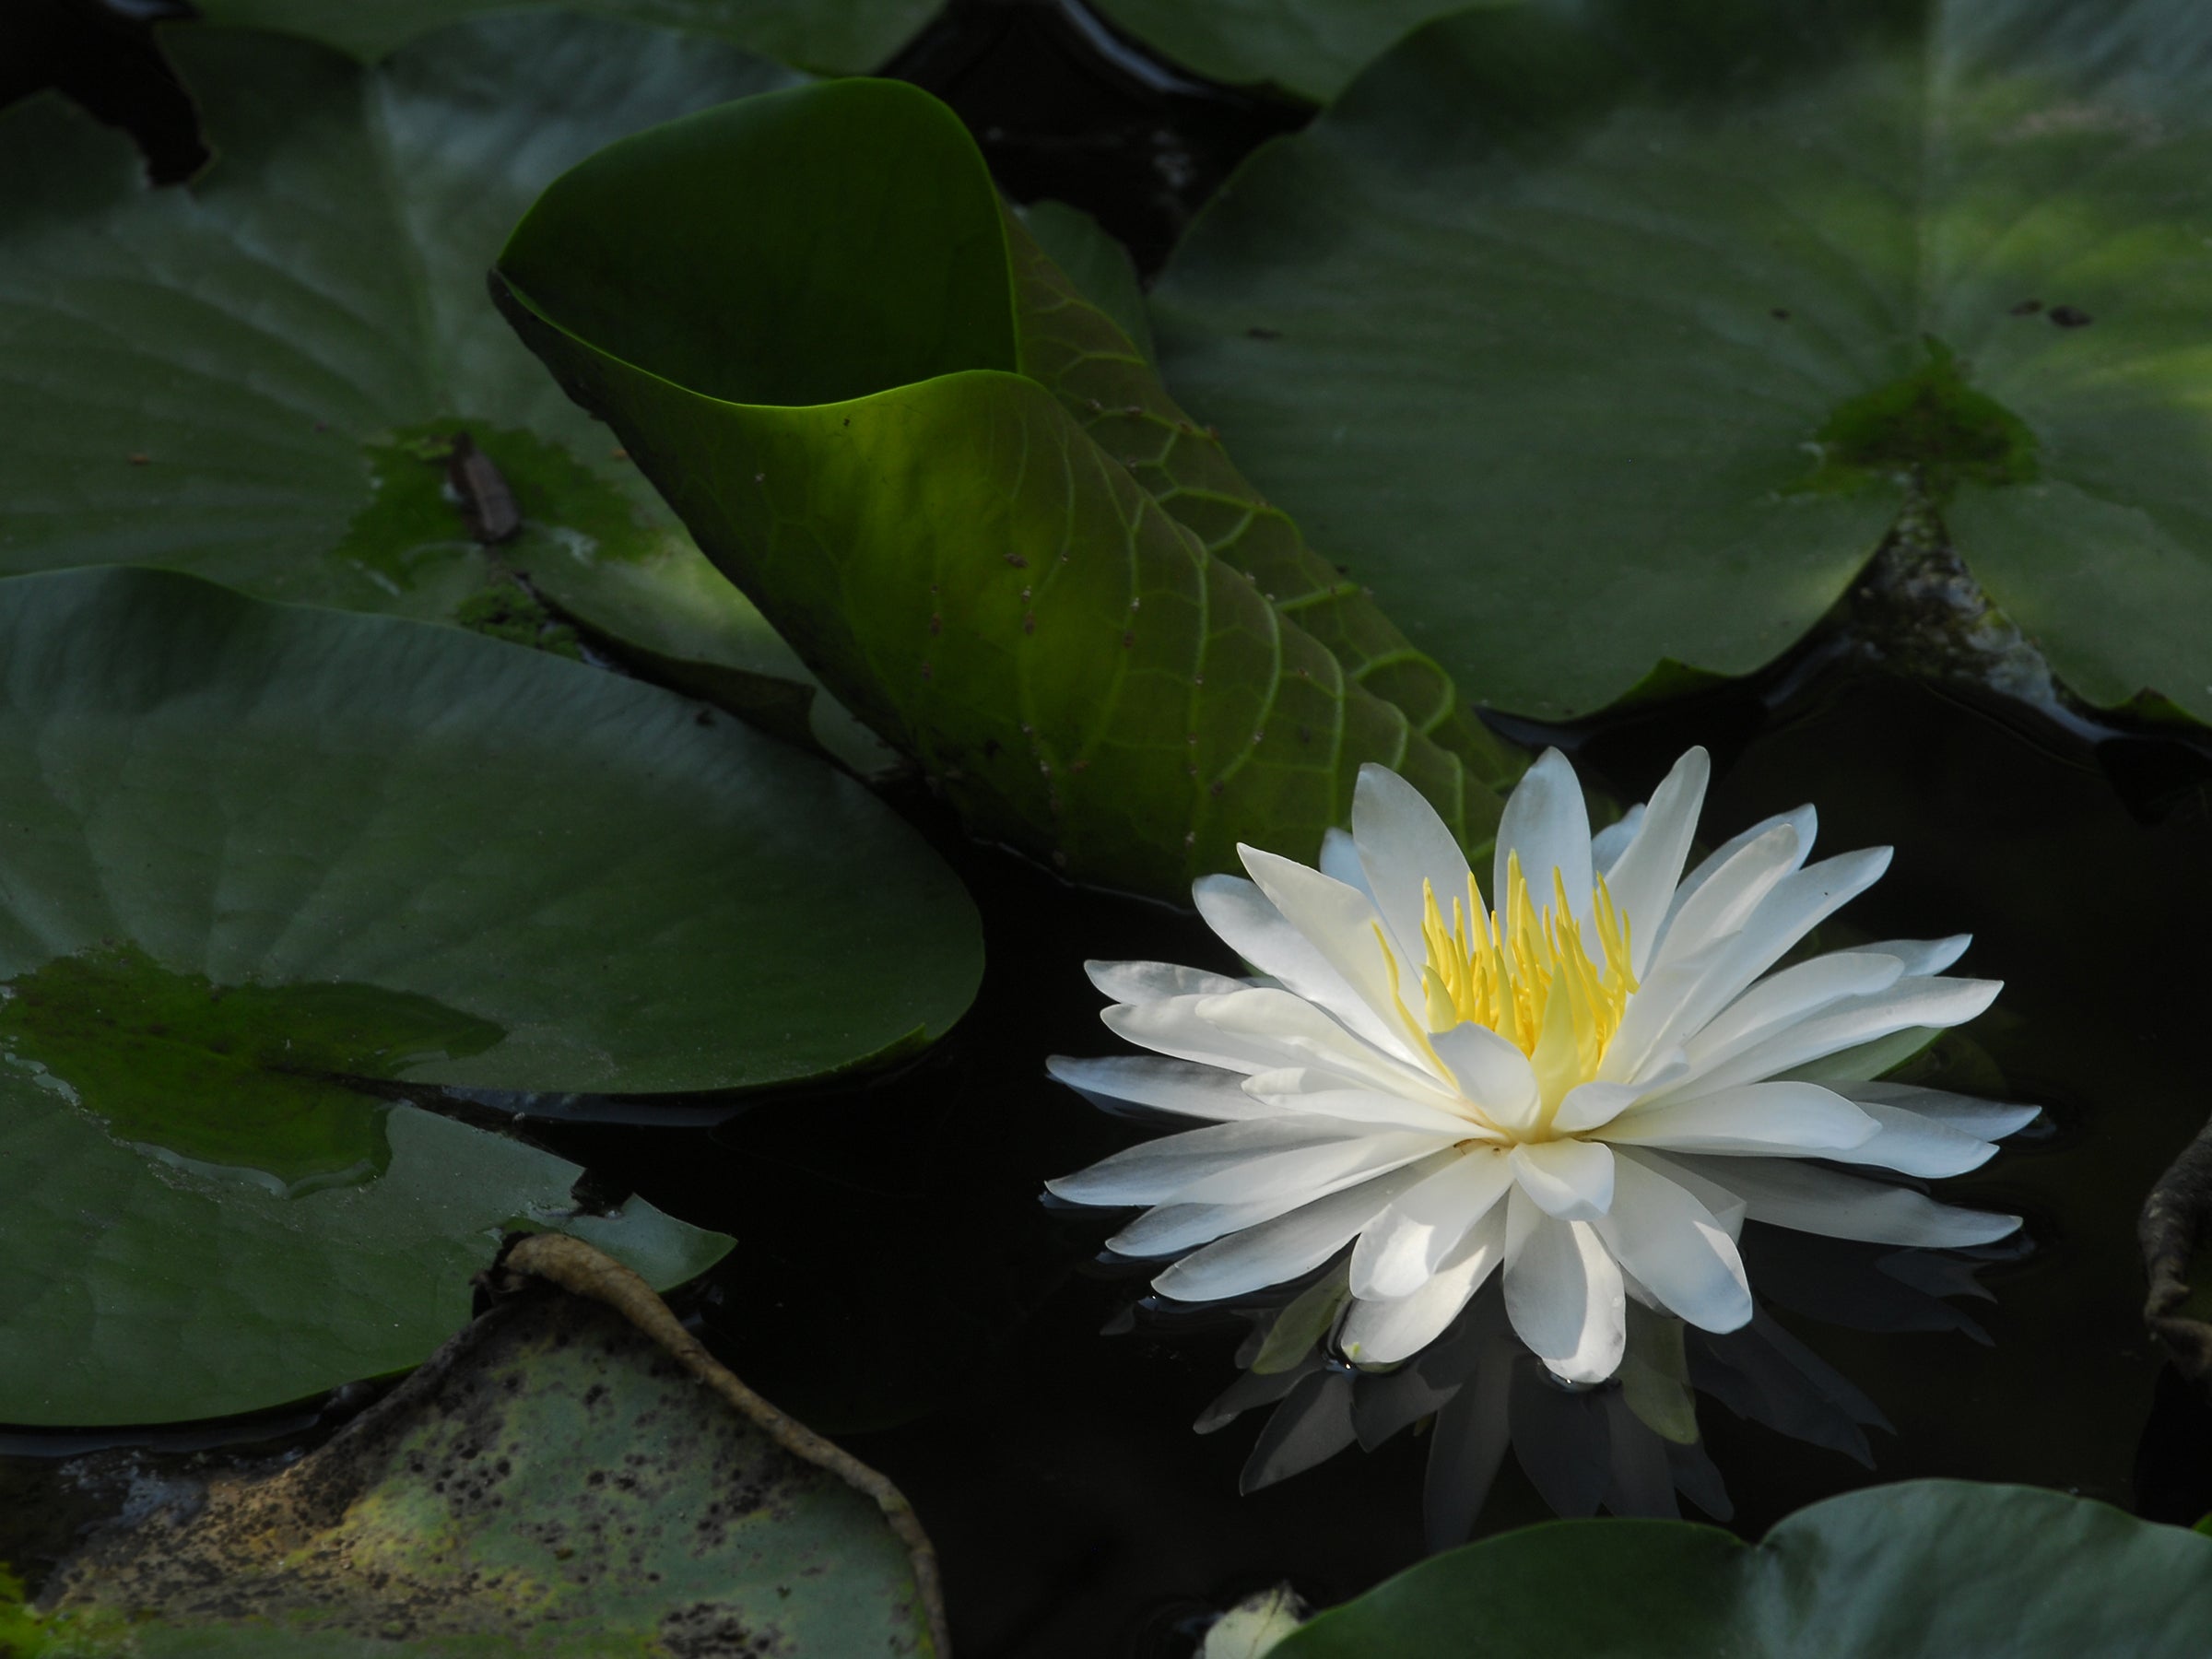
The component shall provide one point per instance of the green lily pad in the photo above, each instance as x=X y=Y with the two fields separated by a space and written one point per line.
x=958 y=489
x=550 y=1484
x=1923 y=1570
x=849 y=37
x=255 y=377
x=267 y=870
x=1610 y=340
x=1307 y=48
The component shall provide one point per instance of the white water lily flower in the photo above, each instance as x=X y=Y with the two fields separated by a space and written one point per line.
x=1590 y=1087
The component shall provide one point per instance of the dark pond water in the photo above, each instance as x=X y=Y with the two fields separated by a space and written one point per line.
x=897 y=1282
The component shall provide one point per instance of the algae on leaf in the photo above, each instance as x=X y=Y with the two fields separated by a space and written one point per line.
x=960 y=491
x=552 y=1482
x=251 y=377
x=1609 y=340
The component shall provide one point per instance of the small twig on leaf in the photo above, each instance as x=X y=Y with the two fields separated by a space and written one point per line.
x=581 y=1270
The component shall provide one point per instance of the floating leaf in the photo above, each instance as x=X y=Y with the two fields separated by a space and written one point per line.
x=958 y=489
x=1940 y=1569
x=258 y=378
x=265 y=869
x=552 y=1482
x=1606 y=340
x=849 y=37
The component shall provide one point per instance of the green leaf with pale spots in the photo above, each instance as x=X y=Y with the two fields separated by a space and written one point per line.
x=1608 y=340
x=958 y=489
x=239 y=377
x=267 y=872
x=550 y=1484
x=1923 y=1569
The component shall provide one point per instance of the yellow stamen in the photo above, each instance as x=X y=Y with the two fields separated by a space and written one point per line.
x=1518 y=970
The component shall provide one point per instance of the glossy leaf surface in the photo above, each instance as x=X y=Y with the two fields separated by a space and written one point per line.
x=1606 y=337
x=1923 y=1570
x=256 y=377
x=957 y=488
x=269 y=869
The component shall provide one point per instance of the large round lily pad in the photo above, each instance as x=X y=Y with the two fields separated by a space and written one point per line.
x=1599 y=336
x=266 y=869
x=256 y=377
x=1923 y=1570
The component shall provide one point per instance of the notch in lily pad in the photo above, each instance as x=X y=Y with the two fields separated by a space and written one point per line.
x=1932 y=427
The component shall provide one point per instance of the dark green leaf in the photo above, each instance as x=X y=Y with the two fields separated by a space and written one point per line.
x=258 y=379
x=958 y=491
x=1613 y=338
x=1925 y=1570
x=266 y=868
x=1309 y=48
x=832 y=37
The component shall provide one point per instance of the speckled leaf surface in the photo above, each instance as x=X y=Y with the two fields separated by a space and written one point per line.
x=265 y=869
x=1923 y=1569
x=237 y=377
x=829 y=37
x=550 y=1484
x=957 y=490
x=1556 y=327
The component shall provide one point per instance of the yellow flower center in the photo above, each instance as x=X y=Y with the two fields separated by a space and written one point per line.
x=1527 y=974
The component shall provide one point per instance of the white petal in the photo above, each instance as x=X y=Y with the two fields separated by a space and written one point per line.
x=1424 y=1224
x=1304 y=946
x=1795 y=905
x=1804 y=820
x=1384 y=1332
x=1609 y=844
x=1770 y=1120
x=1149 y=982
x=1921 y=957
x=1340 y=859
x=1548 y=824
x=1237 y=1162
x=1301 y=1033
x=1781 y=999
x=1837 y=1205
x=1677 y=1249
x=1912 y=1145
x=1317 y=1092
x=1169 y=1228
x=1491 y=1072
x=1864 y=1060
x=1402 y=844
x=1288 y=1245
x=1721 y=1202
x=1589 y=1106
x=1642 y=882
x=1177 y=1085
x=1724 y=901
x=1570 y=1179
x=1848 y=1023
x=1987 y=1120
x=1563 y=1292
x=1178 y=1026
